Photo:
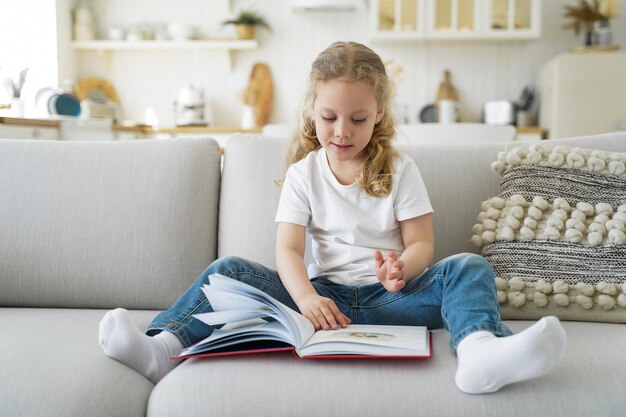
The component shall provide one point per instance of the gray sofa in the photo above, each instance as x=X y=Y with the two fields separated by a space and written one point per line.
x=89 y=226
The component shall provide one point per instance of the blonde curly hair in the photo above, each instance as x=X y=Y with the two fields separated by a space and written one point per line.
x=353 y=62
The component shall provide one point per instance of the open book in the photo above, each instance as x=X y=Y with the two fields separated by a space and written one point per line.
x=255 y=322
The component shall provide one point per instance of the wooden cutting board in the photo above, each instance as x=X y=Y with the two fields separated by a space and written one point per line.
x=260 y=93
x=447 y=91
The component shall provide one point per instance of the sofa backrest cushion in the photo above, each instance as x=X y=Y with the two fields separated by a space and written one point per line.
x=457 y=178
x=105 y=224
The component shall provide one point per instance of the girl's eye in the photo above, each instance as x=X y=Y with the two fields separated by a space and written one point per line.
x=357 y=121
x=328 y=119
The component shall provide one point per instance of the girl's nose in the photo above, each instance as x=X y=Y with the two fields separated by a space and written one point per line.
x=342 y=129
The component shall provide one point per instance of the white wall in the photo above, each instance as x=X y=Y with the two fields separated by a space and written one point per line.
x=481 y=70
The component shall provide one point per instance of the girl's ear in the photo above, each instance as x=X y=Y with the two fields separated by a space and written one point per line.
x=379 y=116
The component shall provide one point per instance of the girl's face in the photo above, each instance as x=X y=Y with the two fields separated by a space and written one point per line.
x=345 y=113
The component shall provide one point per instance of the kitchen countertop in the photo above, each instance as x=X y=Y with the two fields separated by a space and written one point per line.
x=137 y=128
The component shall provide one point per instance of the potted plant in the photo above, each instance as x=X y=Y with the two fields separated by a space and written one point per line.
x=246 y=22
x=588 y=14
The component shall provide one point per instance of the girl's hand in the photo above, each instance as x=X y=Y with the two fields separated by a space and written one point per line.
x=322 y=312
x=390 y=271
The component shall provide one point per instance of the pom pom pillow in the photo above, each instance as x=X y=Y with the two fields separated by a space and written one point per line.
x=556 y=233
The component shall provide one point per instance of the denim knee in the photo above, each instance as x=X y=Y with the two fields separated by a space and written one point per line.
x=473 y=261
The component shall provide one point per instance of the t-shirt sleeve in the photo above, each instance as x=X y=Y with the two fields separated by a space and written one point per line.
x=293 y=205
x=411 y=199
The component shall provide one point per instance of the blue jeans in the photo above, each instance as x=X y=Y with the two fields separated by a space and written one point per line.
x=457 y=293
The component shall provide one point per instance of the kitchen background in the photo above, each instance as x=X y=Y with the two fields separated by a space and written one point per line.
x=38 y=34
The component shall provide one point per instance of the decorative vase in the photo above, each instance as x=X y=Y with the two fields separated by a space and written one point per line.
x=245 y=31
x=603 y=32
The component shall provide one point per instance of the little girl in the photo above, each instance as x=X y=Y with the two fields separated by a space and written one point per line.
x=358 y=198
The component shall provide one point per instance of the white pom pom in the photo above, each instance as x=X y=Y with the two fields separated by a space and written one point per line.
x=556 y=160
x=516 y=284
x=540 y=203
x=534 y=157
x=478 y=229
x=606 y=288
x=616 y=168
x=578 y=215
x=550 y=233
x=624 y=287
x=520 y=151
x=502 y=156
x=560 y=286
x=561 y=203
x=498 y=167
x=598 y=228
x=477 y=240
x=620 y=216
x=621 y=300
x=536 y=147
x=599 y=154
x=526 y=234
x=586 y=208
x=543 y=286
x=584 y=301
x=561 y=299
x=606 y=302
x=493 y=213
x=604 y=208
x=516 y=298
x=560 y=214
x=556 y=223
x=513 y=159
x=602 y=218
x=595 y=238
x=517 y=212
x=517 y=200
x=621 y=209
x=530 y=223
x=585 y=289
x=502 y=297
x=615 y=224
x=490 y=224
x=575 y=160
x=540 y=299
x=576 y=224
x=595 y=164
x=481 y=216
x=489 y=236
x=501 y=283
x=535 y=213
x=506 y=233
x=573 y=235
x=561 y=150
x=616 y=237
x=498 y=202
x=512 y=222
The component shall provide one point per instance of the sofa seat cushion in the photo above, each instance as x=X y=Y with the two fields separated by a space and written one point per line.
x=52 y=365
x=589 y=381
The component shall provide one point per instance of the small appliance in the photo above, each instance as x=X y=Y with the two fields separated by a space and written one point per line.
x=189 y=107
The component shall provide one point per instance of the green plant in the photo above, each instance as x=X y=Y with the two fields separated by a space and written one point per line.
x=250 y=18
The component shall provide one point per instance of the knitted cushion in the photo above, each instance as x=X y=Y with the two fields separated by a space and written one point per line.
x=555 y=234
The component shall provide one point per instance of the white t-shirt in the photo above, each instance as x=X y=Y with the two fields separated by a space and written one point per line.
x=346 y=224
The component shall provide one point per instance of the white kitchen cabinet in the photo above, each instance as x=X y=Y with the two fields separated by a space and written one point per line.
x=511 y=19
x=28 y=132
x=583 y=94
x=454 y=19
x=397 y=19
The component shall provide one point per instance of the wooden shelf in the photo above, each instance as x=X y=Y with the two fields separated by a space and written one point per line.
x=226 y=44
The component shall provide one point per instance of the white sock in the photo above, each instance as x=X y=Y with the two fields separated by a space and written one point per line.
x=122 y=340
x=487 y=363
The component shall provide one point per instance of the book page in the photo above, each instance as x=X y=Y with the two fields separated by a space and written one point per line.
x=369 y=340
x=299 y=325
